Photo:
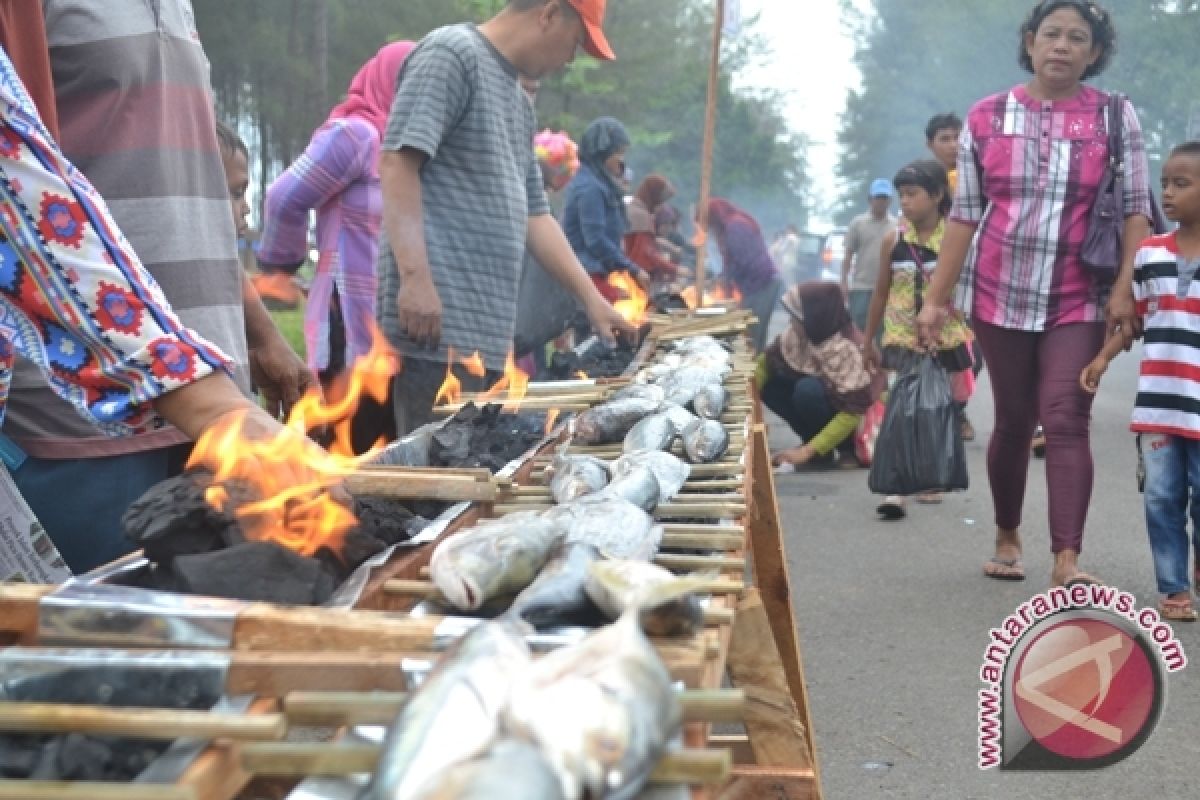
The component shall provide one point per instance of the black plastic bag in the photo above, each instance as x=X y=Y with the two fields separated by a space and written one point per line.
x=920 y=447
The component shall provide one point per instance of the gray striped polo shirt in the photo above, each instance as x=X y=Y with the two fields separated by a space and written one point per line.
x=460 y=104
x=136 y=115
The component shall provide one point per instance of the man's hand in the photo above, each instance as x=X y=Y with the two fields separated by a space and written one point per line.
x=279 y=374
x=872 y=358
x=608 y=324
x=420 y=311
x=929 y=325
x=1089 y=379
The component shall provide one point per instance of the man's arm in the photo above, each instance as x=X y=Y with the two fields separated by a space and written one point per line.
x=276 y=370
x=420 y=307
x=851 y=247
x=549 y=246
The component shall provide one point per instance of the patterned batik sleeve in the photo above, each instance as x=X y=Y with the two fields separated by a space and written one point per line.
x=1136 y=189
x=969 y=201
x=74 y=298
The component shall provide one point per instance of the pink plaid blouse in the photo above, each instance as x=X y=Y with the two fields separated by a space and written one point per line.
x=1028 y=172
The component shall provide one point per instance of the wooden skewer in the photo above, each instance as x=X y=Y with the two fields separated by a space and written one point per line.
x=368 y=483
x=90 y=790
x=380 y=708
x=699 y=563
x=701 y=767
x=140 y=723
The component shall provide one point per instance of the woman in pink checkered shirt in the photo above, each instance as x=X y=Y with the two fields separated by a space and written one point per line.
x=1030 y=164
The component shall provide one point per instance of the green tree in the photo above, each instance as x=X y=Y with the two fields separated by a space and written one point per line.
x=923 y=57
x=278 y=65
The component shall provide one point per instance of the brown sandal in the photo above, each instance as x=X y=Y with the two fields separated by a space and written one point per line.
x=1177 y=611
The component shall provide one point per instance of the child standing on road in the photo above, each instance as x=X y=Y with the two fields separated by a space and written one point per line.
x=909 y=255
x=1166 y=414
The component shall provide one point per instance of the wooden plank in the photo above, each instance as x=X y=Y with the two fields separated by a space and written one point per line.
x=759 y=783
x=770 y=570
x=778 y=736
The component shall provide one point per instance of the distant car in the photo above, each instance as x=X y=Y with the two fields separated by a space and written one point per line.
x=833 y=250
x=808 y=257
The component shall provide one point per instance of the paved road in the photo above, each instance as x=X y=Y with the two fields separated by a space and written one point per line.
x=893 y=620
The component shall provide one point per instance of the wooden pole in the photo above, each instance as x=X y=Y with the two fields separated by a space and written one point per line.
x=710 y=135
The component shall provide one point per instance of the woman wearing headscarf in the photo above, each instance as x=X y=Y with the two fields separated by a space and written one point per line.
x=594 y=215
x=814 y=376
x=338 y=176
x=641 y=240
x=746 y=263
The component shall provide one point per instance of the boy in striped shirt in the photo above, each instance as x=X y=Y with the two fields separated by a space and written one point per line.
x=1166 y=414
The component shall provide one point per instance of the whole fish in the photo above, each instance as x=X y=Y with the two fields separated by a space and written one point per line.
x=573 y=476
x=667 y=604
x=560 y=589
x=683 y=384
x=641 y=391
x=609 y=422
x=705 y=441
x=511 y=769
x=614 y=526
x=494 y=558
x=710 y=401
x=639 y=485
x=670 y=472
x=454 y=715
x=601 y=711
x=655 y=432
x=700 y=344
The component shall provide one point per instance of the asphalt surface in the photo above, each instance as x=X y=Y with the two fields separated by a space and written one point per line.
x=893 y=620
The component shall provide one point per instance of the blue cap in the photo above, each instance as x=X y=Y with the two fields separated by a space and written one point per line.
x=882 y=187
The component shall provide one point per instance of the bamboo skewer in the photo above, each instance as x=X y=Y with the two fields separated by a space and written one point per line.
x=300 y=708
x=701 y=767
x=90 y=790
x=425 y=588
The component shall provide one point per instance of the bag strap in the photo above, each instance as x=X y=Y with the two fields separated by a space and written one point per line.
x=1116 y=133
x=920 y=277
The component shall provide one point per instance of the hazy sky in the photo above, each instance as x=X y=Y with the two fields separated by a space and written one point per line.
x=812 y=62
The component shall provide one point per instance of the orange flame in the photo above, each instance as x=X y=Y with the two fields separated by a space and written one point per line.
x=635 y=301
x=451 y=389
x=475 y=365
x=289 y=472
x=583 y=376
x=513 y=384
x=551 y=418
x=718 y=296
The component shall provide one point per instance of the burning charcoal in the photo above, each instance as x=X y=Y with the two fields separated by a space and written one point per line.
x=83 y=758
x=388 y=520
x=46 y=768
x=19 y=755
x=357 y=547
x=255 y=571
x=173 y=518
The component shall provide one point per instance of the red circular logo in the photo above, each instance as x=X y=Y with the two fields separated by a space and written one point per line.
x=1085 y=689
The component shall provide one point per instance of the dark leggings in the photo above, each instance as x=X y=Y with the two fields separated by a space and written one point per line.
x=1035 y=378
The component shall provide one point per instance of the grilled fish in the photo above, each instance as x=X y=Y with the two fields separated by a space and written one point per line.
x=494 y=558
x=574 y=476
x=613 y=525
x=601 y=711
x=655 y=432
x=670 y=472
x=637 y=484
x=609 y=422
x=705 y=441
x=560 y=589
x=710 y=401
x=510 y=770
x=667 y=604
x=455 y=714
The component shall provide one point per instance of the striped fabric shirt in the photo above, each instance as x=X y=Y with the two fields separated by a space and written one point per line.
x=338 y=175
x=460 y=104
x=73 y=297
x=1167 y=293
x=136 y=116
x=1028 y=173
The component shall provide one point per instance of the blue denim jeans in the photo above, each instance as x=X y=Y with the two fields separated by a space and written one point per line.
x=1171 y=493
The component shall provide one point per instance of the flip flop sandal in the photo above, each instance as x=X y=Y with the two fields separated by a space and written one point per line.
x=929 y=499
x=1082 y=579
x=1177 y=611
x=891 y=509
x=1004 y=569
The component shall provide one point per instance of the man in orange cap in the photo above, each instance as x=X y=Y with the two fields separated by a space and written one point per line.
x=463 y=198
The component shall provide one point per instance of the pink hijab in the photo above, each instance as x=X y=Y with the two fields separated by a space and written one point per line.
x=370 y=94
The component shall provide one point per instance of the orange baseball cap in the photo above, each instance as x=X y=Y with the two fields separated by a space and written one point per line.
x=595 y=42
